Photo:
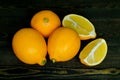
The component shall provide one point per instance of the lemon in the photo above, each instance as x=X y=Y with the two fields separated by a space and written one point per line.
x=63 y=44
x=81 y=25
x=29 y=46
x=94 y=53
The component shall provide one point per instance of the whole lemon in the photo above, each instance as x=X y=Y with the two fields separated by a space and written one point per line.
x=29 y=46
x=63 y=44
x=45 y=21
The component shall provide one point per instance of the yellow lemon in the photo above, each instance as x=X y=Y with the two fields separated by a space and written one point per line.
x=29 y=46
x=63 y=44
x=81 y=25
x=94 y=53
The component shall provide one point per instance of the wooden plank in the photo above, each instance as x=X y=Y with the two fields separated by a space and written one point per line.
x=57 y=73
x=60 y=3
x=104 y=14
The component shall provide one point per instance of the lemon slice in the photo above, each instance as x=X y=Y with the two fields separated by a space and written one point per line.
x=94 y=53
x=81 y=25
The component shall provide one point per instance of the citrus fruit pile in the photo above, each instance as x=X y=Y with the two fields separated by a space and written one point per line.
x=61 y=40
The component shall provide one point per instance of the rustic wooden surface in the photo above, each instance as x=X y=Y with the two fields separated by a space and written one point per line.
x=104 y=14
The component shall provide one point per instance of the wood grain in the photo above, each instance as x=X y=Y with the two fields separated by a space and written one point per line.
x=56 y=73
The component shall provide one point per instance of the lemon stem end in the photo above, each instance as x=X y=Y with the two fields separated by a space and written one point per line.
x=46 y=20
x=43 y=63
x=53 y=60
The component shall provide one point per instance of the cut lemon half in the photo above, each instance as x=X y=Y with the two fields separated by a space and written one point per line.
x=94 y=53
x=81 y=25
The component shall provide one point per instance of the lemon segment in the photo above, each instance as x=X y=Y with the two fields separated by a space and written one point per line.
x=94 y=53
x=81 y=25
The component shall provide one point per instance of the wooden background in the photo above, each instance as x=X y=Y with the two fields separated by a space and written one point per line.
x=104 y=14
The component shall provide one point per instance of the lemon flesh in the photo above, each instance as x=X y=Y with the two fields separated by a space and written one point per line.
x=94 y=53
x=81 y=25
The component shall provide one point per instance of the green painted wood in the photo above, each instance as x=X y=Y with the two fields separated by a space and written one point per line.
x=104 y=14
